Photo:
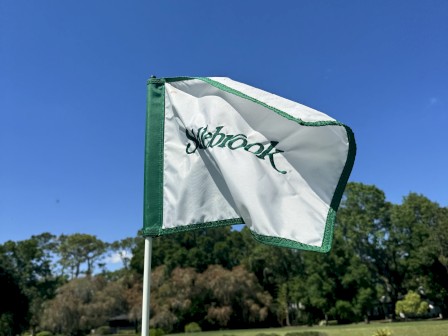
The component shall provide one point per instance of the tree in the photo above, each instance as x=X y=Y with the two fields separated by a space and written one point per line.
x=439 y=238
x=173 y=297
x=124 y=248
x=13 y=305
x=197 y=249
x=366 y=232
x=215 y=298
x=421 y=230
x=439 y=275
x=78 y=249
x=83 y=304
x=272 y=266
x=323 y=285
x=30 y=262
x=341 y=284
x=236 y=298
x=133 y=284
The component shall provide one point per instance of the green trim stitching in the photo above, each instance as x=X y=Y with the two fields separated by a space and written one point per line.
x=154 y=232
x=350 y=161
x=338 y=193
x=283 y=242
x=154 y=165
x=242 y=95
x=279 y=112
x=154 y=162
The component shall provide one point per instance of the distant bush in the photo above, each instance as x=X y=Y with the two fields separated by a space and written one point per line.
x=328 y=323
x=127 y=332
x=294 y=333
x=103 y=330
x=306 y=333
x=192 y=327
x=382 y=332
x=270 y=334
x=412 y=305
x=156 y=332
x=44 y=333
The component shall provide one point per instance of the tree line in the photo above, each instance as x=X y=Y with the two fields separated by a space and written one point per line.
x=384 y=259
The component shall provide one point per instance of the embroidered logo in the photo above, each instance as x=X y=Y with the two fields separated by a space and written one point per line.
x=204 y=139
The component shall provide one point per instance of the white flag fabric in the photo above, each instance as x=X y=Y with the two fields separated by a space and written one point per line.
x=219 y=152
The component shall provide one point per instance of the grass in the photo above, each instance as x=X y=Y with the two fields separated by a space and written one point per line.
x=420 y=328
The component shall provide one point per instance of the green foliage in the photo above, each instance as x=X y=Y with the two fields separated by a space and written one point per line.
x=78 y=249
x=124 y=248
x=382 y=332
x=180 y=296
x=344 y=310
x=194 y=249
x=6 y=324
x=192 y=327
x=306 y=333
x=156 y=332
x=45 y=333
x=222 y=278
x=84 y=304
x=126 y=332
x=294 y=333
x=267 y=334
x=13 y=305
x=103 y=330
x=30 y=263
x=412 y=305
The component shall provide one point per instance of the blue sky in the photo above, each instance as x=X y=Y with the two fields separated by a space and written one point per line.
x=73 y=91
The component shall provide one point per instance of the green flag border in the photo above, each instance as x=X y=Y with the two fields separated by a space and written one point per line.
x=154 y=167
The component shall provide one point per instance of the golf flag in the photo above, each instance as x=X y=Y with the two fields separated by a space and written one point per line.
x=219 y=152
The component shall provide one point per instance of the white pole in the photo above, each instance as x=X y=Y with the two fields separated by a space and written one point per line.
x=146 y=286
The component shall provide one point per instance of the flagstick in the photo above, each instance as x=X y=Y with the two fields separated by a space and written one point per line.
x=146 y=286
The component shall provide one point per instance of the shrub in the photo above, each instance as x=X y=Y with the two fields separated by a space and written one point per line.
x=103 y=330
x=412 y=305
x=192 y=327
x=382 y=332
x=306 y=333
x=44 y=333
x=156 y=332
x=328 y=323
x=263 y=334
